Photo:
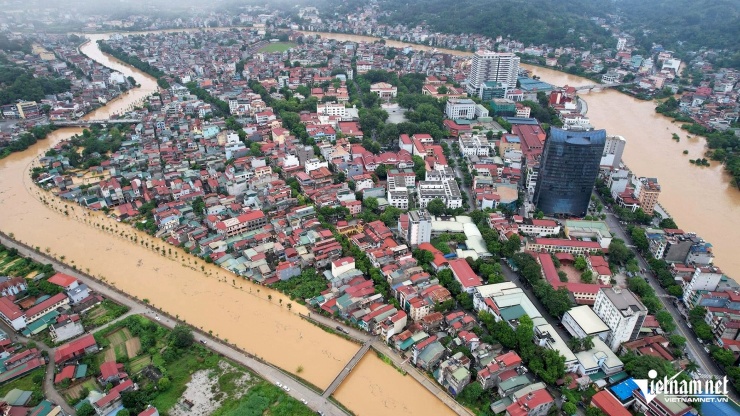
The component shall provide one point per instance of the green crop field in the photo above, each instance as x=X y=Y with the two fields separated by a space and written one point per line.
x=277 y=47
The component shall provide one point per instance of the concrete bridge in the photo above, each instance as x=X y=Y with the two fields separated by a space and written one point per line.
x=348 y=368
x=596 y=87
x=87 y=123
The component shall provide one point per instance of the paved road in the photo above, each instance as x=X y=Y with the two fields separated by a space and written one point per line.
x=694 y=347
x=49 y=391
x=266 y=371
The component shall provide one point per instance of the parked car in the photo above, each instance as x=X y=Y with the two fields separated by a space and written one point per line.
x=277 y=383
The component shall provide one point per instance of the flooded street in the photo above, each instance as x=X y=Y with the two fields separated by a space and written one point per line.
x=700 y=199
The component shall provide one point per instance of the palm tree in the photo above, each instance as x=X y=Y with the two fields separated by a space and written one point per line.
x=691 y=367
x=269 y=297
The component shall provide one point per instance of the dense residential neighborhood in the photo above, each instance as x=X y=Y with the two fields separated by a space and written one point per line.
x=456 y=208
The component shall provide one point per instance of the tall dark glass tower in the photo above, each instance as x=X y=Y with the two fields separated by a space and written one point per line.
x=568 y=171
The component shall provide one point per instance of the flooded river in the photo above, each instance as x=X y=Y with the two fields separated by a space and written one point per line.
x=210 y=298
x=381 y=389
x=202 y=295
x=700 y=199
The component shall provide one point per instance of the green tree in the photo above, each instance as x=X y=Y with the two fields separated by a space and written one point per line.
x=436 y=207
x=86 y=410
x=370 y=203
x=677 y=341
x=164 y=384
x=587 y=276
x=512 y=246
x=619 y=253
x=724 y=357
x=569 y=408
x=381 y=171
x=639 y=366
x=548 y=364
x=181 y=336
x=580 y=263
x=668 y=223
x=665 y=319
x=524 y=335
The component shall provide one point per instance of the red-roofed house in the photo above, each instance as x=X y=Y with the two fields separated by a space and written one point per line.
x=536 y=403
x=54 y=302
x=465 y=275
x=12 y=314
x=67 y=373
x=243 y=223
x=151 y=411
x=111 y=372
x=600 y=267
x=113 y=399
x=487 y=376
x=609 y=404
x=76 y=348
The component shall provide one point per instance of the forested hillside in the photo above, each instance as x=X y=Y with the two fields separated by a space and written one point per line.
x=679 y=25
x=685 y=25
x=19 y=84
x=534 y=21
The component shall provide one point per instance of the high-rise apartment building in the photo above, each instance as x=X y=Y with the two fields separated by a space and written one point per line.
x=622 y=312
x=647 y=191
x=492 y=66
x=568 y=170
x=420 y=227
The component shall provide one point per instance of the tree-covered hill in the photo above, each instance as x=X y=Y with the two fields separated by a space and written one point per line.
x=679 y=25
x=556 y=23
x=685 y=25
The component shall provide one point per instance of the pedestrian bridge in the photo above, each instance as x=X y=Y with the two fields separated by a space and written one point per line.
x=87 y=123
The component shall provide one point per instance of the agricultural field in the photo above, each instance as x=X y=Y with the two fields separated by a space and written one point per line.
x=276 y=47
x=105 y=312
x=14 y=265
x=179 y=376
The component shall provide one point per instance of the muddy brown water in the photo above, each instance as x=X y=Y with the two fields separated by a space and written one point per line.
x=700 y=199
x=203 y=295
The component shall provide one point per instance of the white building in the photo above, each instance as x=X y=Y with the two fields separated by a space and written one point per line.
x=384 y=90
x=475 y=145
x=447 y=191
x=313 y=164
x=540 y=228
x=582 y=322
x=460 y=108
x=704 y=278
x=420 y=227
x=397 y=194
x=331 y=109
x=492 y=66
x=622 y=312
x=598 y=358
x=613 y=150
x=621 y=43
